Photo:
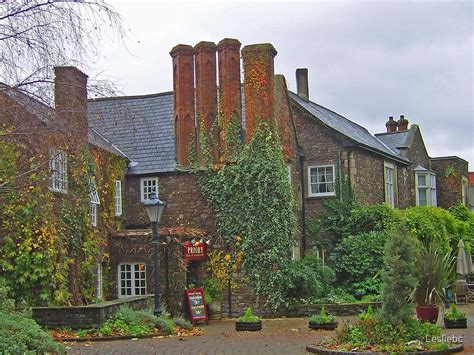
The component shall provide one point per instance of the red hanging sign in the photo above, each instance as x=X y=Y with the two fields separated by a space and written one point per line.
x=194 y=251
x=196 y=305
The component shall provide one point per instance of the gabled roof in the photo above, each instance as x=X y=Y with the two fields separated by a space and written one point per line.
x=32 y=105
x=142 y=127
x=347 y=128
x=47 y=115
x=398 y=140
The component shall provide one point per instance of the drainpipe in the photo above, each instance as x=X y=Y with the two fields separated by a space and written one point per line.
x=339 y=172
x=303 y=205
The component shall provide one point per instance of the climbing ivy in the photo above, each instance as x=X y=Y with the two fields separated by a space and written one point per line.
x=49 y=249
x=252 y=198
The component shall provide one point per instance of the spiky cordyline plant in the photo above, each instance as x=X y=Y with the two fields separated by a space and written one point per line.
x=434 y=272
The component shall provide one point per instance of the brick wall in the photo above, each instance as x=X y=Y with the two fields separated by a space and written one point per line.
x=185 y=205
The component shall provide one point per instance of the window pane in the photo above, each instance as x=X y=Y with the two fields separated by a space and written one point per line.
x=422 y=197
x=421 y=180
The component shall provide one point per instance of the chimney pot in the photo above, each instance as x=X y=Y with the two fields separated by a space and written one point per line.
x=402 y=124
x=391 y=125
x=302 y=87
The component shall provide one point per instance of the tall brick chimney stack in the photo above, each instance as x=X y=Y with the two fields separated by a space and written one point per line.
x=183 y=89
x=70 y=99
x=258 y=85
x=230 y=96
x=206 y=92
x=402 y=124
x=391 y=125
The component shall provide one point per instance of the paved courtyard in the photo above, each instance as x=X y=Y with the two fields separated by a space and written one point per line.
x=279 y=336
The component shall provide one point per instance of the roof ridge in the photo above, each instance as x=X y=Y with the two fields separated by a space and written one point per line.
x=131 y=97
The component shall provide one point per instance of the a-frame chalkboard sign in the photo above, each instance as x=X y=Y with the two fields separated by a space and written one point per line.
x=196 y=305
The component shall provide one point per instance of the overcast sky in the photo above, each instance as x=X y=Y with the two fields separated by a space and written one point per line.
x=366 y=60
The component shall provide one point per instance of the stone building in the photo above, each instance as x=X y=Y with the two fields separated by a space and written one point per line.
x=320 y=145
x=49 y=145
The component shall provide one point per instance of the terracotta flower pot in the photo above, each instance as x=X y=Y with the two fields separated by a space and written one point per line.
x=428 y=313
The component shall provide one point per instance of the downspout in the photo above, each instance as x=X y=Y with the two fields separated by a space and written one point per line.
x=303 y=206
x=339 y=172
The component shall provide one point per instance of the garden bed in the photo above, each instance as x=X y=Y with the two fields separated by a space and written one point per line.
x=72 y=336
x=454 y=348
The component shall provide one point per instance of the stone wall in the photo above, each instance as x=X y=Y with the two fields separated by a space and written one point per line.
x=91 y=316
x=185 y=205
x=449 y=188
x=139 y=249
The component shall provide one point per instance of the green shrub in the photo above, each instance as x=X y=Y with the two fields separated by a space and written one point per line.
x=183 y=323
x=249 y=316
x=433 y=225
x=463 y=214
x=358 y=258
x=374 y=218
x=454 y=313
x=369 y=314
x=307 y=278
x=399 y=278
x=19 y=334
x=212 y=289
x=165 y=324
x=322 y=317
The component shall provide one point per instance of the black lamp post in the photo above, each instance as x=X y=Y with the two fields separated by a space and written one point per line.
x=154 y=207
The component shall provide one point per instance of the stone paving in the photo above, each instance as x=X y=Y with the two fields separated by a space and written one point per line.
x=279 y=336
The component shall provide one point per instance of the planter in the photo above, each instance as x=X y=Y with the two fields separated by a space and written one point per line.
x=248 y=326
x=427 y=313
x=317 y=350
x=323 y=326
x=215 y=308
x=456 y=323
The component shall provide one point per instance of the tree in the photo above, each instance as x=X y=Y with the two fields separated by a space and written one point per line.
x=37 y=35
x=399 y=278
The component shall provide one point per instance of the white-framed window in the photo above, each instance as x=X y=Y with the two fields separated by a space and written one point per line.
x=118 y=198
x=58 y=167
x=321 y=180
x=389 y=179
x=94 y=196
x=147 y=185
x=464 y=191
x=94 y=201
x=99 y=282
x=131 y=279
x=93 y=214
x=425 y=185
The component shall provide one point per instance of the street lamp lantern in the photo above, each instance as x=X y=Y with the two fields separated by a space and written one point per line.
x=154 y=207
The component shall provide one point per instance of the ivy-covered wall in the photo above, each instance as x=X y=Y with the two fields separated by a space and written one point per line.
x=48 y=249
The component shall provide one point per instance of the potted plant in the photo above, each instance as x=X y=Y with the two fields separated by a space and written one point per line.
x=323 y=320
x=248 y=322
x=434 y=271
x=214 y=296
x=455 y=318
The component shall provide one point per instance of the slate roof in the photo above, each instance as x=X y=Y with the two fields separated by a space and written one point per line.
x=142 y=127
x=47 y=115
x=346 y=127
x=394 y=140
